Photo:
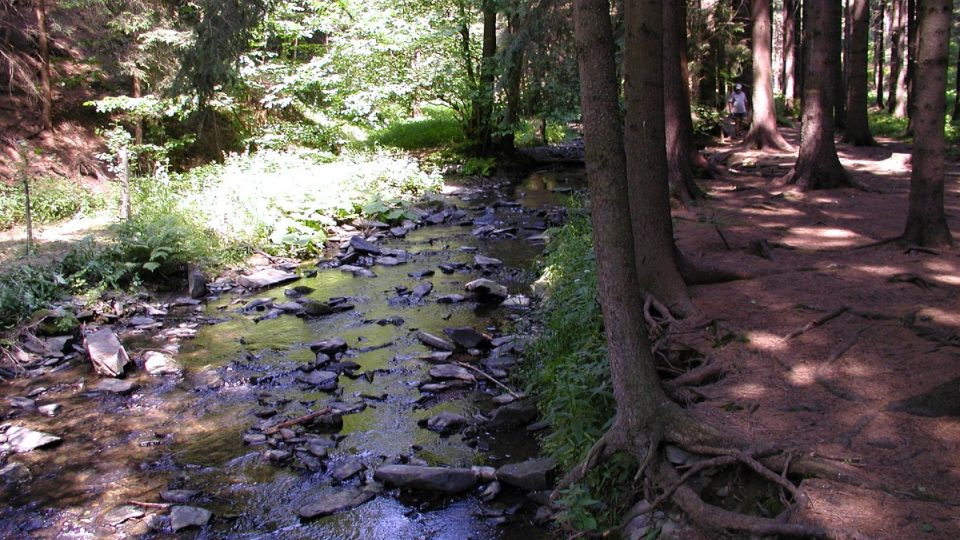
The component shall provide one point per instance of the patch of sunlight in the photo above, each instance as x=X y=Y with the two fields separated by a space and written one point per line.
x=750 y=390
x=885 y=271
x=940 y=266
x=802 y=375
x=765 y=340
x=772 y=210
x=947 y=279
x=859 y=369
x=818 y=237
x=939 y=315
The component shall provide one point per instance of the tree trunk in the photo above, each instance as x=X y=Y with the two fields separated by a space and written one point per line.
x=926 y=221
x=513 y=73
x=763 y=130
x=791 y=19
x=858 y=124
x=679 y=125
x=636 y=387
x=912 y=46
x=645 y=144
x=897 y=102
x=46 y=97
x=879 y=50
x=955 y=117
x=818 y=166
x=840 y=70
x=488 y=68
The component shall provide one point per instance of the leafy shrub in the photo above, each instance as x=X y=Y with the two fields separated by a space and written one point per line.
x=23 y=289
x=480 y=166
x=439 y=127
x=528 y=133
x=706 y=121
x=568 y=371
x=51 y=200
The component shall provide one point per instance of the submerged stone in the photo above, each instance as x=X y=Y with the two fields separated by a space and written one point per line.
x=184 y=517
x=439 y=479
x=335 y=502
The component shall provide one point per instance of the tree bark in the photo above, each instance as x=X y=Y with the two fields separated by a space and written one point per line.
x=635 y=384
x=840 y=70
x=791 y=34
x=858 y=124
x=897 y=102
x=46 y=97
x=645 y=144
x=912 y=46
x=926 y=221
x=676 y=97
x=763 y=132
x=879 y=50
x=818 y=166
x=955 y=117
x=488 y=70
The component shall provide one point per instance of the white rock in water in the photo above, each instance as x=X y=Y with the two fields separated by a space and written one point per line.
x=21 y=439
x=158 y=363
x=182 y=517
x=266 y=278
x=107 y=354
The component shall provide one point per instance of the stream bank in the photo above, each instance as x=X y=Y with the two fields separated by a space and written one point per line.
x=362 y=336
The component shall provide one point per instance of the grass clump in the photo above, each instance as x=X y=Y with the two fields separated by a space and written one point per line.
x=568 y=371
x=438 y=128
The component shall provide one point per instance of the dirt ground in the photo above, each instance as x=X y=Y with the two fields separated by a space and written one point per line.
x=839 y=389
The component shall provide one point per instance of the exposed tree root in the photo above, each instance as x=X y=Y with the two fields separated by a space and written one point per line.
x=698 y=274
x=816 y=323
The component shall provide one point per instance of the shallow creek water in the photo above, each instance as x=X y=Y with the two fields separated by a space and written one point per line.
x=186 y=433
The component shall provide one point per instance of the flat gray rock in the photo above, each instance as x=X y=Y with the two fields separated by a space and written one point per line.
x=178 y=495
x=358 y=271
x=445 y=422
x=122 y=513
x=330 y=346
x=321 y=378
x=347 y=469
x=15 y=473
x=530 y=475
x=21 y=439
x=362 y=245
x=158 y=363
x=487 y=261
x=184 y=517
x=513 y=415
x=451 y=299
x=451 y=371
x=435 y=342
x=115 y=386
x=335 y=502
x=107 y=354
x=438 y=479
x=466 y=337
x=266 y=278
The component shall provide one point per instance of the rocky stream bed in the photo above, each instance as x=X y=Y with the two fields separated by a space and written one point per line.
x=364 y=396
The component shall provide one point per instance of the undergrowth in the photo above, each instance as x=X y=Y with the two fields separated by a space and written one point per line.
x=568 y=372
x=438 y=128
x=51 y=200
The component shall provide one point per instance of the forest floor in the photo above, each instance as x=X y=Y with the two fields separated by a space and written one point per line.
x=876 y=387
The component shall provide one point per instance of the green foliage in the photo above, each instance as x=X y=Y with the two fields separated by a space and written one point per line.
x=570 y=374
x=706 y=121
x=479 y=166
x=528 y=133
x=51 y=200
x=600 y=500
x=883 y=124
x=23 y=289
x=439 y=128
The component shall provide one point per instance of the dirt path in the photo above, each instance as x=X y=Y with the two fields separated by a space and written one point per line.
x=840 y=388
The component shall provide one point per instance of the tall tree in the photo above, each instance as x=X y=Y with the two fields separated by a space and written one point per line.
x=879 y=49
x=955 y=117
x=926 y=221
x=763 y=130
x=897 y=102
x=913 y=41
x=791 y=39
x=46 y=91
x=645 y=144
x=858 y=125
x=676 y=97
x=818 y=166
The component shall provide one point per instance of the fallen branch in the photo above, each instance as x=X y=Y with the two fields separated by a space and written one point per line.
x=491 y=379
x=818 y=322
x=297 y=421
x=155 y=506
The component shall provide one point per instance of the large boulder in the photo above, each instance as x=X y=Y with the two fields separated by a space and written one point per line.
x=438 y=479
x=513 y=415
x=487 y=290
x=530 y=475
x=184 y=517
x=335 y=502
x=266 y=278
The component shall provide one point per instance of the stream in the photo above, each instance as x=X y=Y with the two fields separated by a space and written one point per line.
x=206 y=433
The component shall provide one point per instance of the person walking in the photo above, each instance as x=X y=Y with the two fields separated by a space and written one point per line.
x=737 y=106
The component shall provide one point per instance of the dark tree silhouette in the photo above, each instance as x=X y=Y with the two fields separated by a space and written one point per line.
x=818 y=166
x=858 y=125
x=791 y=48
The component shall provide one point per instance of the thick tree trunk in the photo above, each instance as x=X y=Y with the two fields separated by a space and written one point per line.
x=676 y=97
x=488 y=68
x=840 y=71
x=879 y=50
x=818 y=166
x=926 y=221
x=636 y=387
x=955 y=117
x=897 y=102
x=791 y=35
x=858 y=124
x=512 y=78
x=763 y=130
x=645 y=144
x=46 y=91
